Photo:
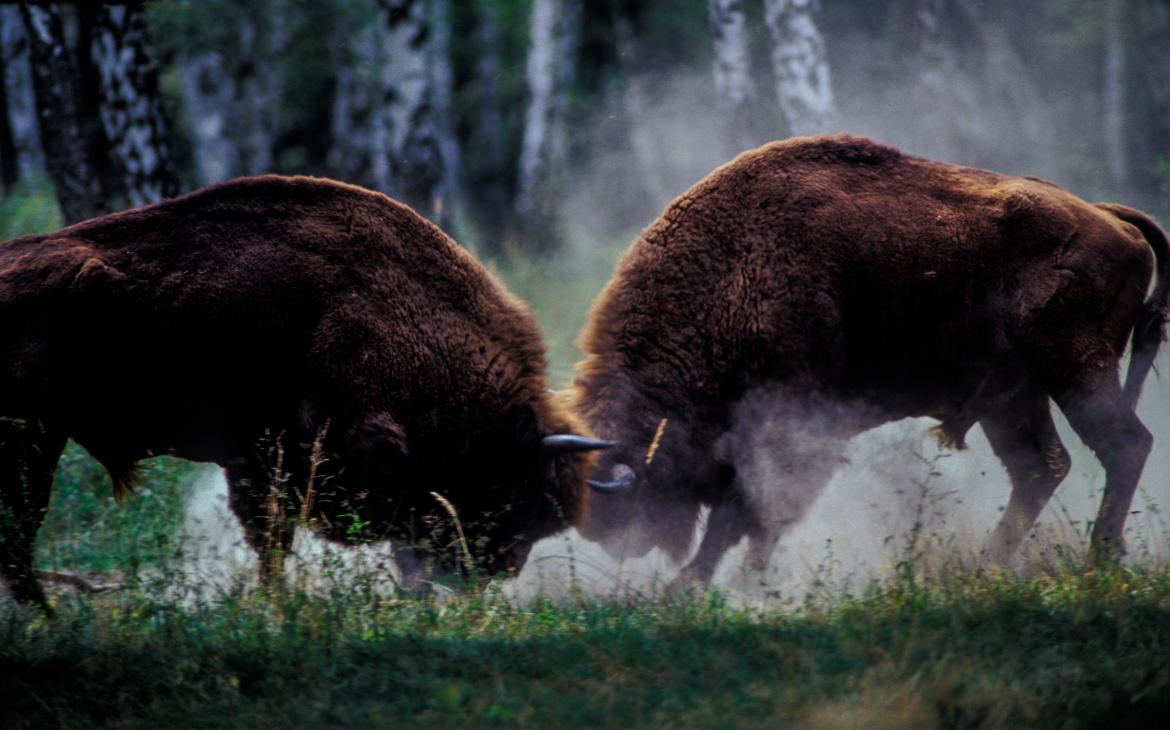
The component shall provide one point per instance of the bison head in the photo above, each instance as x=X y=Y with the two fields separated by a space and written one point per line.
x=646 y=492
x=487 y=490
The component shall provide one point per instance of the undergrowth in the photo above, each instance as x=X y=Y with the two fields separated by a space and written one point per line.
x=1085 y=649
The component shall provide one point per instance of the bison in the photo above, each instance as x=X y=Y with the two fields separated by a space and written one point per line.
x=817 y=287
x=337 y=354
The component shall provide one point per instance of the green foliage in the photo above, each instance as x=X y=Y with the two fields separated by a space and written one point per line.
x=559 y=291
x=86 y=529
x=1073 y=650
x=29 y=208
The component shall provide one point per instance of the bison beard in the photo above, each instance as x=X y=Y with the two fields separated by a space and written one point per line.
x=244 y=322
x=827 y=285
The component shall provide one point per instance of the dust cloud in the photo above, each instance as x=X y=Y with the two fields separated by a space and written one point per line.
x=897 y=495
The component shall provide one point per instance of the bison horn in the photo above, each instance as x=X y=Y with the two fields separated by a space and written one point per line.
x=623 y=479
x=567 y=443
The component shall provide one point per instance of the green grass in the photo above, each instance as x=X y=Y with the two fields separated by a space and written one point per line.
x=85 y=529
x=1067 y=651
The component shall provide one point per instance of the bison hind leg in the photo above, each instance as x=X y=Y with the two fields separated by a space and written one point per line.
x=1024 y=438
x=1102 y=417
x=29 y=451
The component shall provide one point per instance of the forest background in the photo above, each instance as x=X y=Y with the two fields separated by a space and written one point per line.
x=542 y=134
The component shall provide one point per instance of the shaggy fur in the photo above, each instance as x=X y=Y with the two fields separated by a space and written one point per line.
x=817 y=287
x=242 y=322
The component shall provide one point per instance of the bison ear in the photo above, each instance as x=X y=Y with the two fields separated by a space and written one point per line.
x=380 y=433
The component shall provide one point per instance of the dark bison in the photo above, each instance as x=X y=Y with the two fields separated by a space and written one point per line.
x=818 y=287
x=244 y=323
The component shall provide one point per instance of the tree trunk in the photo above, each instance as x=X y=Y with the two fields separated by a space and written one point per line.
x=20 y=109
x=387 y=130
x=944 y=97
x=360 y=151
x=131 y=112
x=555 y=35
x=408 y=95
x=1113 y=97
x=207 y=92
x=54 y=75
x=8 y=174
x=448 y=194
x=233 y=98
x=800 y=65
x=257 y=102
x=487 y=147
x=733 y=83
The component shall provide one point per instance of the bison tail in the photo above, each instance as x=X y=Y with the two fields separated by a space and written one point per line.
x=1149 y=330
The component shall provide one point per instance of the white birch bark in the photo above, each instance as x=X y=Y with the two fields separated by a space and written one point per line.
x=555 y=34
x=729 y=36
x=387 y=133
x=800 y=66
x=131 y=111
x=208 y=92
x=360 y=151
x=945 y=96
x=734 y=89
x=415 y=158
x=18 y=92
x=232 y=95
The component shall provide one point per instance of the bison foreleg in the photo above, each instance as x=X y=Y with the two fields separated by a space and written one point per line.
x=28 y=458
x=727 y=523
x=1024 y=438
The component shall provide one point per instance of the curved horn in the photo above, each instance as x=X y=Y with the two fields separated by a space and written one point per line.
x=567 y=443
x=623 y=481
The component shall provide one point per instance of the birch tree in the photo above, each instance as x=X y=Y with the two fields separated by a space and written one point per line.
x=232 y=80
x=732 y=71
x=54 y=78
x=23 y=157
x=386 y=130
x=408 y=95
x=208 y=92
x=131 y=111
x=555 y=28
x=360 y=151
x=487 y=147
x=799 y=65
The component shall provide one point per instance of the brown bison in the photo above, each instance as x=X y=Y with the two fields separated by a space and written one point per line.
x=815 y=288
x=245 y=322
